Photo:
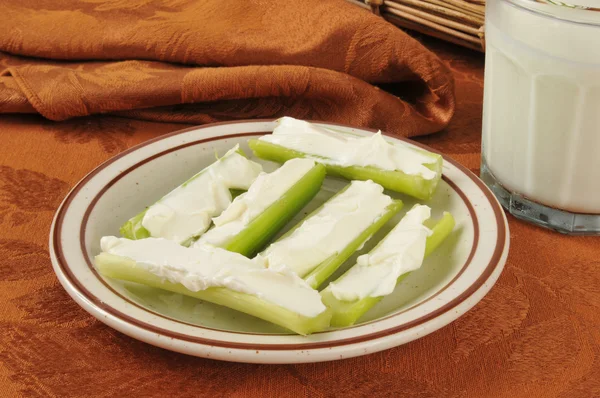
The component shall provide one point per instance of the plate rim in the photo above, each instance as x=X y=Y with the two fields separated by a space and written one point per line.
x=60 y=264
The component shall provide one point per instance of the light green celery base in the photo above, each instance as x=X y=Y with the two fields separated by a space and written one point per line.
x=260 y=230
x=123 y=268
x=397 y=181
x=133 y=228
x=440 y=232
x=346 y=313
x=324 y=270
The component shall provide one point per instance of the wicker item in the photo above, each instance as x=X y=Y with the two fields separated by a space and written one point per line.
x=457 y=21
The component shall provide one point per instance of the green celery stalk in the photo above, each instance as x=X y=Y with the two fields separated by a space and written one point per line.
x=346 y=313
x=133 y=228
x=324 y=270
x=260 y=230
x=123 y=268
x=397 y=181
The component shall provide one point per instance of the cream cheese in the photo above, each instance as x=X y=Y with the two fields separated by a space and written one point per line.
x=401 y=251
x=187 y=210
x=330 y=230
x=199 y=268
x=332 y=147
x=264 y=191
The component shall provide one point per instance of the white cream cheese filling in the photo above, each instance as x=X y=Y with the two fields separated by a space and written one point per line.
x=401 y=251
x=324 y=234
x=332 y=147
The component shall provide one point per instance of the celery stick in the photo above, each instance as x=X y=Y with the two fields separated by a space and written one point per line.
x=346 y=313
x=317 y=274
x=133 y=228
x=397 y=181
x=262 y=228
x=123 y=268
x=440 y=231
x=235 y=158
x=324 y=270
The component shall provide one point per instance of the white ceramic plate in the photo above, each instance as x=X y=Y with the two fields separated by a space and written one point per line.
x=451 y=281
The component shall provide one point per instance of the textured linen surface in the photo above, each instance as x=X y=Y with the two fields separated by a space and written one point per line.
x=201 y=61
x=536 y=334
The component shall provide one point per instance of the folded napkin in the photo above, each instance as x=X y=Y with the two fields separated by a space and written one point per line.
x=204 y=61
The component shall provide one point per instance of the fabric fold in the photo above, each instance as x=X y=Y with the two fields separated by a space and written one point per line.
x=193 y=62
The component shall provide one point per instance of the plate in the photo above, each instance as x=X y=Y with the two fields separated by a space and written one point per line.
x=451 y=281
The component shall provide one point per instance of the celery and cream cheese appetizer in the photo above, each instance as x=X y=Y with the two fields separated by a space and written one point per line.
x=218 y=276
x=376 y=274
x=317 y=246
x=272 y=200
x=401 y=251
x=396 y=166
x=186 y=212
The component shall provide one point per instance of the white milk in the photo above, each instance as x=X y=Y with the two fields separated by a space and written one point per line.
x=541 y=117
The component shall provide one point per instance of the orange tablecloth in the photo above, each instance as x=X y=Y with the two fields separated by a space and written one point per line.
x=536 y=334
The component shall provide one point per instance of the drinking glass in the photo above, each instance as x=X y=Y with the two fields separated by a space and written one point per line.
x=541 y=111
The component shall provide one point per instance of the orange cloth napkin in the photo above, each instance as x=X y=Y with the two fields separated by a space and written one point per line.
x=203 y=61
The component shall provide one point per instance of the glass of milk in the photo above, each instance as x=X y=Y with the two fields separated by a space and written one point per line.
x=541 y=111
